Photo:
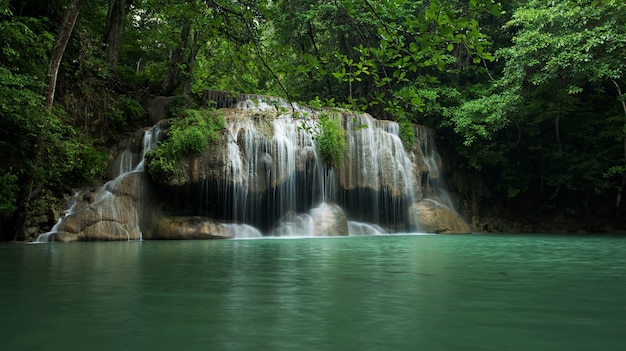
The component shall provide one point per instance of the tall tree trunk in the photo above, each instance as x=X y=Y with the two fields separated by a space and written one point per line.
x=113 y=33
x=191 y=60
x=69 y=19
x=557 y=131
x=170 y=82
x=618 y=201
x=26 y=194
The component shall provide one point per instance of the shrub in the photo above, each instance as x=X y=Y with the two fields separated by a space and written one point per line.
x=188 y=135
x=407 y=135
x=331 y=141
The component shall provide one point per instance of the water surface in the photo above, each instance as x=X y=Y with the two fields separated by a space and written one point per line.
x=427 y=292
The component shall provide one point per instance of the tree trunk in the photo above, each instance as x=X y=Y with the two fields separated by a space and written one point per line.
x=557 y=131
x=618 y=201
x=171 y=78
x=69 y=19
x=191 y=60
x=113 y=34
x=24 y=198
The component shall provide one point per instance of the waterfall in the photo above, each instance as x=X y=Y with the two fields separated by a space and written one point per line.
x=265 y=177
x=274 y=179
x=434 y=183
x=271 y=169
x=109 y=211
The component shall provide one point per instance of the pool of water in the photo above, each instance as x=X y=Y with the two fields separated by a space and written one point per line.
x=393 y=292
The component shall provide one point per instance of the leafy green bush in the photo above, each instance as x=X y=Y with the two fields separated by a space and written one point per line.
x=85 y=161
x=407 y=134
x=188 y=135
x=8 y=191
x=177 y=107
x=331 y=141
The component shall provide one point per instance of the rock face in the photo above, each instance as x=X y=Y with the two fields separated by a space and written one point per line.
x=183 y=228
x=263 y=150
x=99 y=215
x=109 y=213
x=430 y=217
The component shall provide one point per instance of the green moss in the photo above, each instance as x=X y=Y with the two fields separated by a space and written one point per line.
x=189 y=135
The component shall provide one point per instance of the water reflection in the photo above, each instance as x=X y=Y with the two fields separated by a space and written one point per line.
x=365 y=293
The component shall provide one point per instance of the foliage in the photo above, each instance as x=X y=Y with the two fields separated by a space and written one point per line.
x=331 y=140
x=407 y=134
x=177 y=107
x=545 y=118
x=482 y=118
x=189 y=134
x=548 y=123
x=372 y=52
x=578 y=42
x=8 y=191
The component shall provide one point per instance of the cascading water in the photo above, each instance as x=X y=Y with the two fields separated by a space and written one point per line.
x=434 y=182
x=274 y=179
x=108 y=212
x=264 y=177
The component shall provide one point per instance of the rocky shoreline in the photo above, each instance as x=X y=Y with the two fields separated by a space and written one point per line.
x=512 y=222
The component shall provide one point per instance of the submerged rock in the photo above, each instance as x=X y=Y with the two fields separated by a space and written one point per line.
x=430 y=217
x=324 y=220
x=183 y=228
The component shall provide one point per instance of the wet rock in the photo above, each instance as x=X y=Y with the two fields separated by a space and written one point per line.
x=99 y=231
x=430 y=217
x=324 y=220
x=183 y=228
x=109 y=231
x=329 y=220
x=293 y=224
x=63 y=237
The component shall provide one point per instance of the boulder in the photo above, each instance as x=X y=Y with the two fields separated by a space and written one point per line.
x=329 y=220
x=293 y=224
x=183 y=228
x=431 y=217
x=109 y=208
x=324 y=220
x=99 y=231
x=99 y=215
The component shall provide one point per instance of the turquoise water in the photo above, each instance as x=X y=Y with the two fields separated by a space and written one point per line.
x=435 y=292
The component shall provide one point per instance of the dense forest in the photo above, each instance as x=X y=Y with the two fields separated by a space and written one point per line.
x=528 y=97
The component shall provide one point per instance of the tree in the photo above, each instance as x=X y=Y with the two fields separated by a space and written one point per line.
x=63 y=37
x=39 y=147
x=547 y=117
x=379 y=55
x=575 y=44
x=113 y=34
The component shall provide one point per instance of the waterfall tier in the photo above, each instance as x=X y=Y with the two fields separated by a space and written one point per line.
x=266 y=171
